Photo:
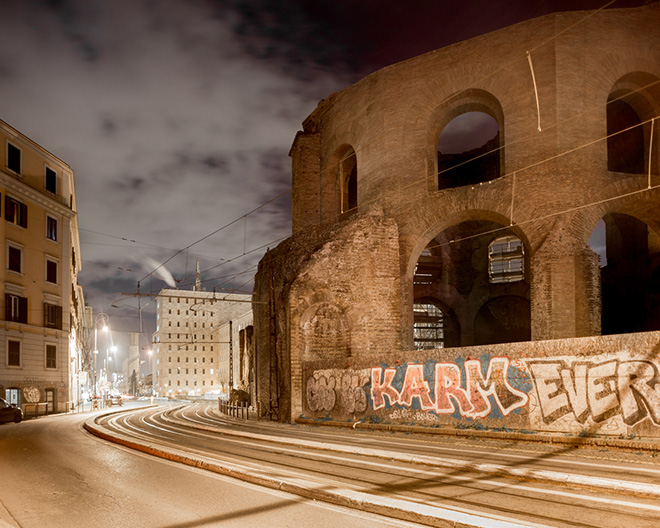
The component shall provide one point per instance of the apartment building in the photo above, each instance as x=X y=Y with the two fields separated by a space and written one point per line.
x=189 y=351
x=43 y=331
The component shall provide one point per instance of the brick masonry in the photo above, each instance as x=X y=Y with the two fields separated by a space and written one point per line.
x=340 y=290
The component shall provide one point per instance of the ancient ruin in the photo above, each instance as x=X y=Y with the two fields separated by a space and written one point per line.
x=476 y=238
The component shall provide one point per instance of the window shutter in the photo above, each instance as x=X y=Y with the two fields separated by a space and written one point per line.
x=23 y=215
x=23 y=310
x=7 y=307
x=58 y=323
x=8 y=209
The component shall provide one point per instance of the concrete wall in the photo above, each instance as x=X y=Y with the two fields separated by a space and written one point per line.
x=595 y=385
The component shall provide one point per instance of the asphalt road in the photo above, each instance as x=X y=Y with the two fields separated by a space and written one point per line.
x=568 y=488
x=55 y=474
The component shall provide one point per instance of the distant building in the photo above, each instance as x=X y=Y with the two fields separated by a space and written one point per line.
x=44 y=326
x=191 y=342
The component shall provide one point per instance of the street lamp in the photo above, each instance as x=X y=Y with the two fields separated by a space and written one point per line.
x=151 y=368
x=108 y=358
x=100 y=319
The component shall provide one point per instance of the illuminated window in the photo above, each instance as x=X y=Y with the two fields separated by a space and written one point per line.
x=52 y=316
x=428 y=326
x=51 y=228
x=15 y=212
x=506 y=260
x=16 y=308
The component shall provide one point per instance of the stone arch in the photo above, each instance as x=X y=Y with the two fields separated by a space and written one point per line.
x=453 y=269
x=340 y=187
x=325 y=332
x=503 y=319
x=632 y=105
x=451 y=331
x=629 y=253
x=439 y=223
x=467 y=101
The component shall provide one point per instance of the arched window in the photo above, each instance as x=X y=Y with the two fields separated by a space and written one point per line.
x=630 y=262
x=469 y=150
x=347 y=181
x=428 y=326
x=625 y=141
x=632 y=104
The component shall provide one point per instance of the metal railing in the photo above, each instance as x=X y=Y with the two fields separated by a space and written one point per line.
x=237 y=410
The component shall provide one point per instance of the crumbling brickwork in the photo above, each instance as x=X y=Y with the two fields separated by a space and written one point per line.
x=353 y=280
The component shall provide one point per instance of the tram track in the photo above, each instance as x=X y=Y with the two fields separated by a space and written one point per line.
x=407 y=486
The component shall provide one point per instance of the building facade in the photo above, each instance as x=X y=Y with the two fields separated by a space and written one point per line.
x=432 y=282
x=43 y=330
x=191 y=352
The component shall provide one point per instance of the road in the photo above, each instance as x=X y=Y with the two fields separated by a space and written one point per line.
x=477 y=483
x=54 y=474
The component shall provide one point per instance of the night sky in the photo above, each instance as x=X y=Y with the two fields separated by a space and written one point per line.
x=177 y=116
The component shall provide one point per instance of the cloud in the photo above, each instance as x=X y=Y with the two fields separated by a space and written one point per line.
x=171 y=123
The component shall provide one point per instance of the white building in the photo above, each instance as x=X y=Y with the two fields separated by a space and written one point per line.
x=189 y=342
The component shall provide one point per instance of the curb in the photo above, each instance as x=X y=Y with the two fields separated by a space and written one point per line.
x=394 y=508
x=545 y=438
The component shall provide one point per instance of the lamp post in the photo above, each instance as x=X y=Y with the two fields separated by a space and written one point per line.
x=100 y=319
x=151 y=369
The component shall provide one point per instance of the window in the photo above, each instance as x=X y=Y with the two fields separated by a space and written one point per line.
x=15 y=212
x=506 y=260
x=16 y=308
x=469 y=150
x=428 y=326
x=15 y=259
x=13 y=353
x=52 y=316
x=51 y=228
x=51 y=180
x=13 y=158
x=51 y=356
x=51 y=271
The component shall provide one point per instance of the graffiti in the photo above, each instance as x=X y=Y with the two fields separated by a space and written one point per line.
x=326 y=388
x=352 y=394
x=600 y=391
x=31 y=394
x=471 y=399
x=409 y=415
x=321 y=394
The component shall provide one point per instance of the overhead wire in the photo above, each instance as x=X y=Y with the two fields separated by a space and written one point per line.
x=334 y=166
